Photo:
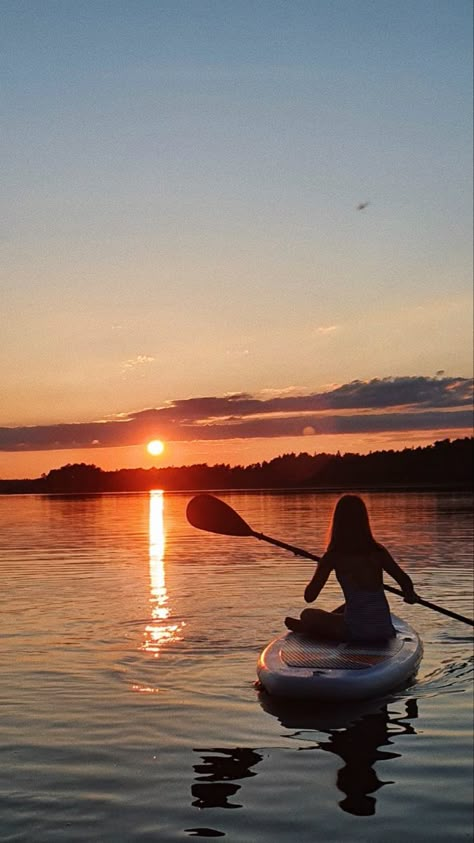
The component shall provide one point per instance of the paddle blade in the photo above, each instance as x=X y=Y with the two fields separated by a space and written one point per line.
x=209 y=513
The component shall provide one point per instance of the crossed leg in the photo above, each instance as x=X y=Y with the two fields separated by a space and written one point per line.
x=316 y=623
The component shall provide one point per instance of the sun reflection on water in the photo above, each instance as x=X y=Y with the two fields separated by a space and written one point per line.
x=159 y=631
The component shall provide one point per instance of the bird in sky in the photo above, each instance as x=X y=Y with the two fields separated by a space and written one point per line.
x=362 y=205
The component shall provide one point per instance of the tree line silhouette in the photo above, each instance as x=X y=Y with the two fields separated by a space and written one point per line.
x=445 y=464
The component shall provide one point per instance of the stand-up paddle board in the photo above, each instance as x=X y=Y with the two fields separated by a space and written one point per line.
x=295 y=666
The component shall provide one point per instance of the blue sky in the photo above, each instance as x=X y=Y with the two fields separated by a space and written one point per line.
x=180 y=184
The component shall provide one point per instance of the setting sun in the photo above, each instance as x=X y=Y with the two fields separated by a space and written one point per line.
x=155 y=447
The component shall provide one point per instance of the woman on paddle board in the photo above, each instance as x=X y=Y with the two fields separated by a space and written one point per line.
x=358 y=561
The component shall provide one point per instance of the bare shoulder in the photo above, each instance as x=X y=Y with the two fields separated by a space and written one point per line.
x=385 y=557
x=328 y=559
x=380 y=551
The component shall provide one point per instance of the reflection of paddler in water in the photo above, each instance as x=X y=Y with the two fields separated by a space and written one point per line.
x=213 y=787
x=359 y=746
x=356 y=737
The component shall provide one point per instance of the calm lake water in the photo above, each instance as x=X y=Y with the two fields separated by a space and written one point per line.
x=129 y=710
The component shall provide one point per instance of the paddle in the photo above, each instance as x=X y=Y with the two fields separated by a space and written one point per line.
x=214 y=515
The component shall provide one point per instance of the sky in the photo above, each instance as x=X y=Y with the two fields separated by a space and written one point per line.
x=183 y=255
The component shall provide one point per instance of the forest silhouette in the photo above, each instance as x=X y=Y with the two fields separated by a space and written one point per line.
x=445 y=464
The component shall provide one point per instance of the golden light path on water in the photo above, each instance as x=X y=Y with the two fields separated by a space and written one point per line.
x=159 y=631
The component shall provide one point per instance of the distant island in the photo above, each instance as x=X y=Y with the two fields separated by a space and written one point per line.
x=444 y=465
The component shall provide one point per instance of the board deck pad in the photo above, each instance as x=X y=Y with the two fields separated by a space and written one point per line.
x=297 y=651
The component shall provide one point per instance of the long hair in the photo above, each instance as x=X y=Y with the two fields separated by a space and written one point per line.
x=350 y=528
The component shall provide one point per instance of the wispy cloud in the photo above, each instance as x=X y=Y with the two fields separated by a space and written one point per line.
x=327 y=329
x=375 y=406
x=237 y=352
x=137 y=362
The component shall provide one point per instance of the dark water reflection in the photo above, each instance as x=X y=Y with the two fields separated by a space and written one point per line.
x=359 y=747
x=357 y=743
x=213 y=788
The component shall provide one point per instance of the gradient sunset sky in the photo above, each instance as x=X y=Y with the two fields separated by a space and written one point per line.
x=183 y=256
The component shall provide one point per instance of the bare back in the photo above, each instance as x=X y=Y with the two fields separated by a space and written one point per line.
x=365 y=570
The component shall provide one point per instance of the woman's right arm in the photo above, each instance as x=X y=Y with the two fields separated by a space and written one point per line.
x=321 y=574
x=404 y=581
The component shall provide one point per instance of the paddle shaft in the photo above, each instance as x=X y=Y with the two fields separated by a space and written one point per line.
x=304 y=553
x=296 y=550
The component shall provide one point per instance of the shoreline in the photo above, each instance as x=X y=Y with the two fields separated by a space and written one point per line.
x=449 y=488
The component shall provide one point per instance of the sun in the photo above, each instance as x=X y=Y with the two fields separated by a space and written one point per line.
x=155 y=447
